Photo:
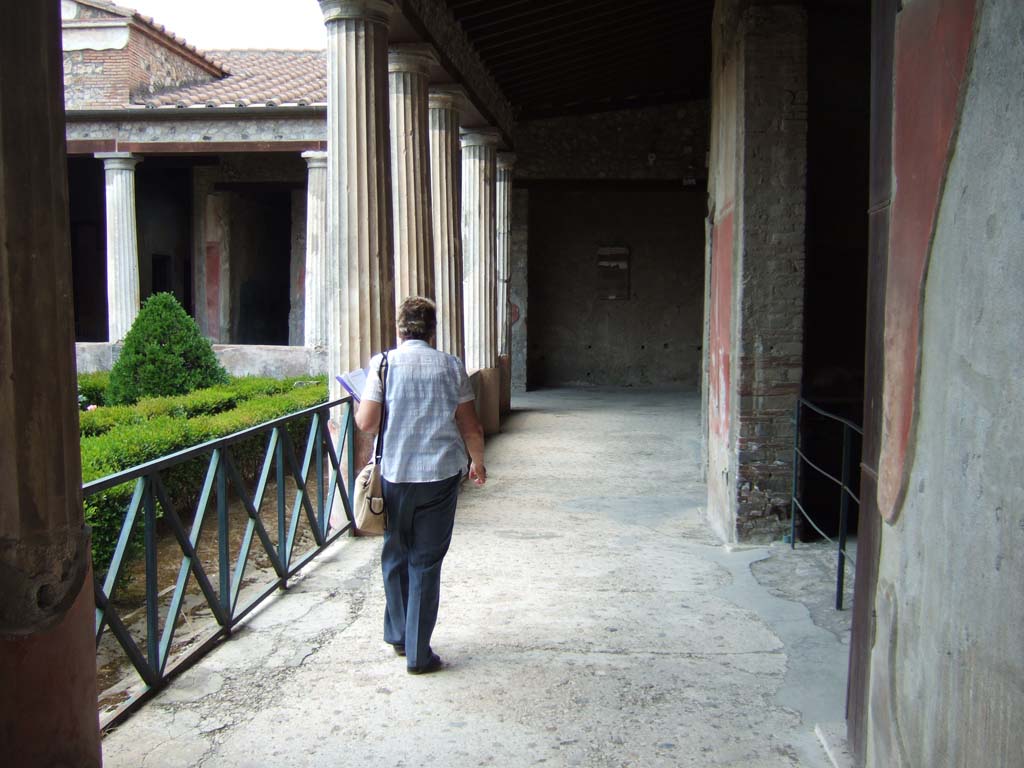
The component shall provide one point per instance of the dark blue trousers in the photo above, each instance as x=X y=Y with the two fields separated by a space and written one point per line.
x=420 y=521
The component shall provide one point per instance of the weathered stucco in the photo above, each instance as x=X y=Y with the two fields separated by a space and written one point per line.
x=947 y=668
x=518 y=293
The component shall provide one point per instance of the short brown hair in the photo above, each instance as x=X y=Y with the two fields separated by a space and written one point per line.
x=417 y=318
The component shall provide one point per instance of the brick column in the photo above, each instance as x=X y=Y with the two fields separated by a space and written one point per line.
x=756 y=265
x=479 y=242
x=360 y=281
x=47 y=647
x=408 y=67
x=122 y=243
x=446 y=208
x=315 y=323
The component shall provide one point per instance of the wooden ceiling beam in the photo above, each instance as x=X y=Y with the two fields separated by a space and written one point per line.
x=602 y=32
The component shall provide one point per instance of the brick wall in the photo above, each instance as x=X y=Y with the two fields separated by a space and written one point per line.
x=770 y=319
x=114 y=77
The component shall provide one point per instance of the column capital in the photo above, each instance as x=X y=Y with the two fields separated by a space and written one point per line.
x=118 y=161
x=447 y=96
x=506 y=161
x=416 y=58
x=315 y=158
x=376 y=11
x=480 y=137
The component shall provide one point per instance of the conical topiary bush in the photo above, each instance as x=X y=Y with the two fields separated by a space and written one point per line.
x=163 y=354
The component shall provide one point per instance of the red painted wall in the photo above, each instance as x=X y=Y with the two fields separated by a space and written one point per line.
x=933 y=39
x=721 y=325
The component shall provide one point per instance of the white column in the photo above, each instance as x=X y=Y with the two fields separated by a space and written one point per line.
x=446 y=208
x=122 y=243
x=315 y=294
x=479 y=238
x=408 y=68
x=506 y=161
x=360 y=271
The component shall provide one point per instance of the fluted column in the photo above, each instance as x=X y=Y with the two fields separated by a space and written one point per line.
x=360 y=271
x=122 y=243
x=479 y=239
x=315 y=325
x=408 y=67
x=506 y=161
x=446 y=209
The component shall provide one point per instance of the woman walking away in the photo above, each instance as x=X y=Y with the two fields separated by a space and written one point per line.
x=430 y=424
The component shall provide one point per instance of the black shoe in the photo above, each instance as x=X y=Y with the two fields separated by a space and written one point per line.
x=398 y=648
x=433 y=665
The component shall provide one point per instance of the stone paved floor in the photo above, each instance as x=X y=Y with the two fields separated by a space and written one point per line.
x=588 y=618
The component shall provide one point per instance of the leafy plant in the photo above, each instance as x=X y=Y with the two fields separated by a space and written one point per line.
x=164 y=354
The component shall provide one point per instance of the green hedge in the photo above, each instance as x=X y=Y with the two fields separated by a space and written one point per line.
x=92 y=388
x=154 y=428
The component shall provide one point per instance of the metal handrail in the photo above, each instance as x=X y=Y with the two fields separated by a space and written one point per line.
x=222 y=476
x=843 y=482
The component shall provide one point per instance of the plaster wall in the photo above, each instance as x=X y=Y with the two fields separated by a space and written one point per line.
x=947 y=666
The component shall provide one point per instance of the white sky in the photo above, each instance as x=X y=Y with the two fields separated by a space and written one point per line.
x=213 y=24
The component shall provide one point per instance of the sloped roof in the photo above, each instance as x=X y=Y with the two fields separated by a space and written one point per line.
x=257 y=79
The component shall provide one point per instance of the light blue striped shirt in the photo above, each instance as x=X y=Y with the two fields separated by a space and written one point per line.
x=422 y=442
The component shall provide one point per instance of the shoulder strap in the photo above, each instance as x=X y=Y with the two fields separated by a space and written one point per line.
x=382 y=372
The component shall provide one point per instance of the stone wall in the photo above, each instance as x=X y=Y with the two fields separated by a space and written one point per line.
x=647 y=336
x=666 y=142
x=660 y=154
x=256 y=124
x=154 y=66
x=518 y=292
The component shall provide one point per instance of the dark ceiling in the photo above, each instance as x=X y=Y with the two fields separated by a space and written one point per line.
x=554 y=57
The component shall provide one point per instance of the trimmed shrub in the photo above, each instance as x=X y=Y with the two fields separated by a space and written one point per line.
x=164 y=354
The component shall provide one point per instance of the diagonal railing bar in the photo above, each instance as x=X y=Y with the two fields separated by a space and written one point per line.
x=223 y=482
x=301 y=502
x=138 y=659
x=254 y=523
x=190 y=564
x=152 y=599
x=117 y=559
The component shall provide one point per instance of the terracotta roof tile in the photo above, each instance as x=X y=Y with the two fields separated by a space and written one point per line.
x=256 y=78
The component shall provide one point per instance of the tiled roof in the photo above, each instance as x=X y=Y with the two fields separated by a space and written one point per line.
x=256 y=79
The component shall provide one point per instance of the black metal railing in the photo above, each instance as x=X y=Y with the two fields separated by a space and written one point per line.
x=320 y=466
x=846 y=492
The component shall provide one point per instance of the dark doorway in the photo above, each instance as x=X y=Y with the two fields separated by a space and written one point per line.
x=164 y=214
x=837 y=247
x=616 y=281
x=260 y=247
x=86 y=207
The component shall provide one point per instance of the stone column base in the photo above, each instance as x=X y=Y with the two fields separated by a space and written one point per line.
x=487 y=387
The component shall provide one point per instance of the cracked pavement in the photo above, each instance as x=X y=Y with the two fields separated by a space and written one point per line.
x=588 y=617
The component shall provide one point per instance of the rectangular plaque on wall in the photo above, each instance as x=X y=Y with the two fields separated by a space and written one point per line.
x=613 y=273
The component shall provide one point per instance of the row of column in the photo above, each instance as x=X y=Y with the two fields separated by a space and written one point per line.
x=395 y=209
x=411 y=201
